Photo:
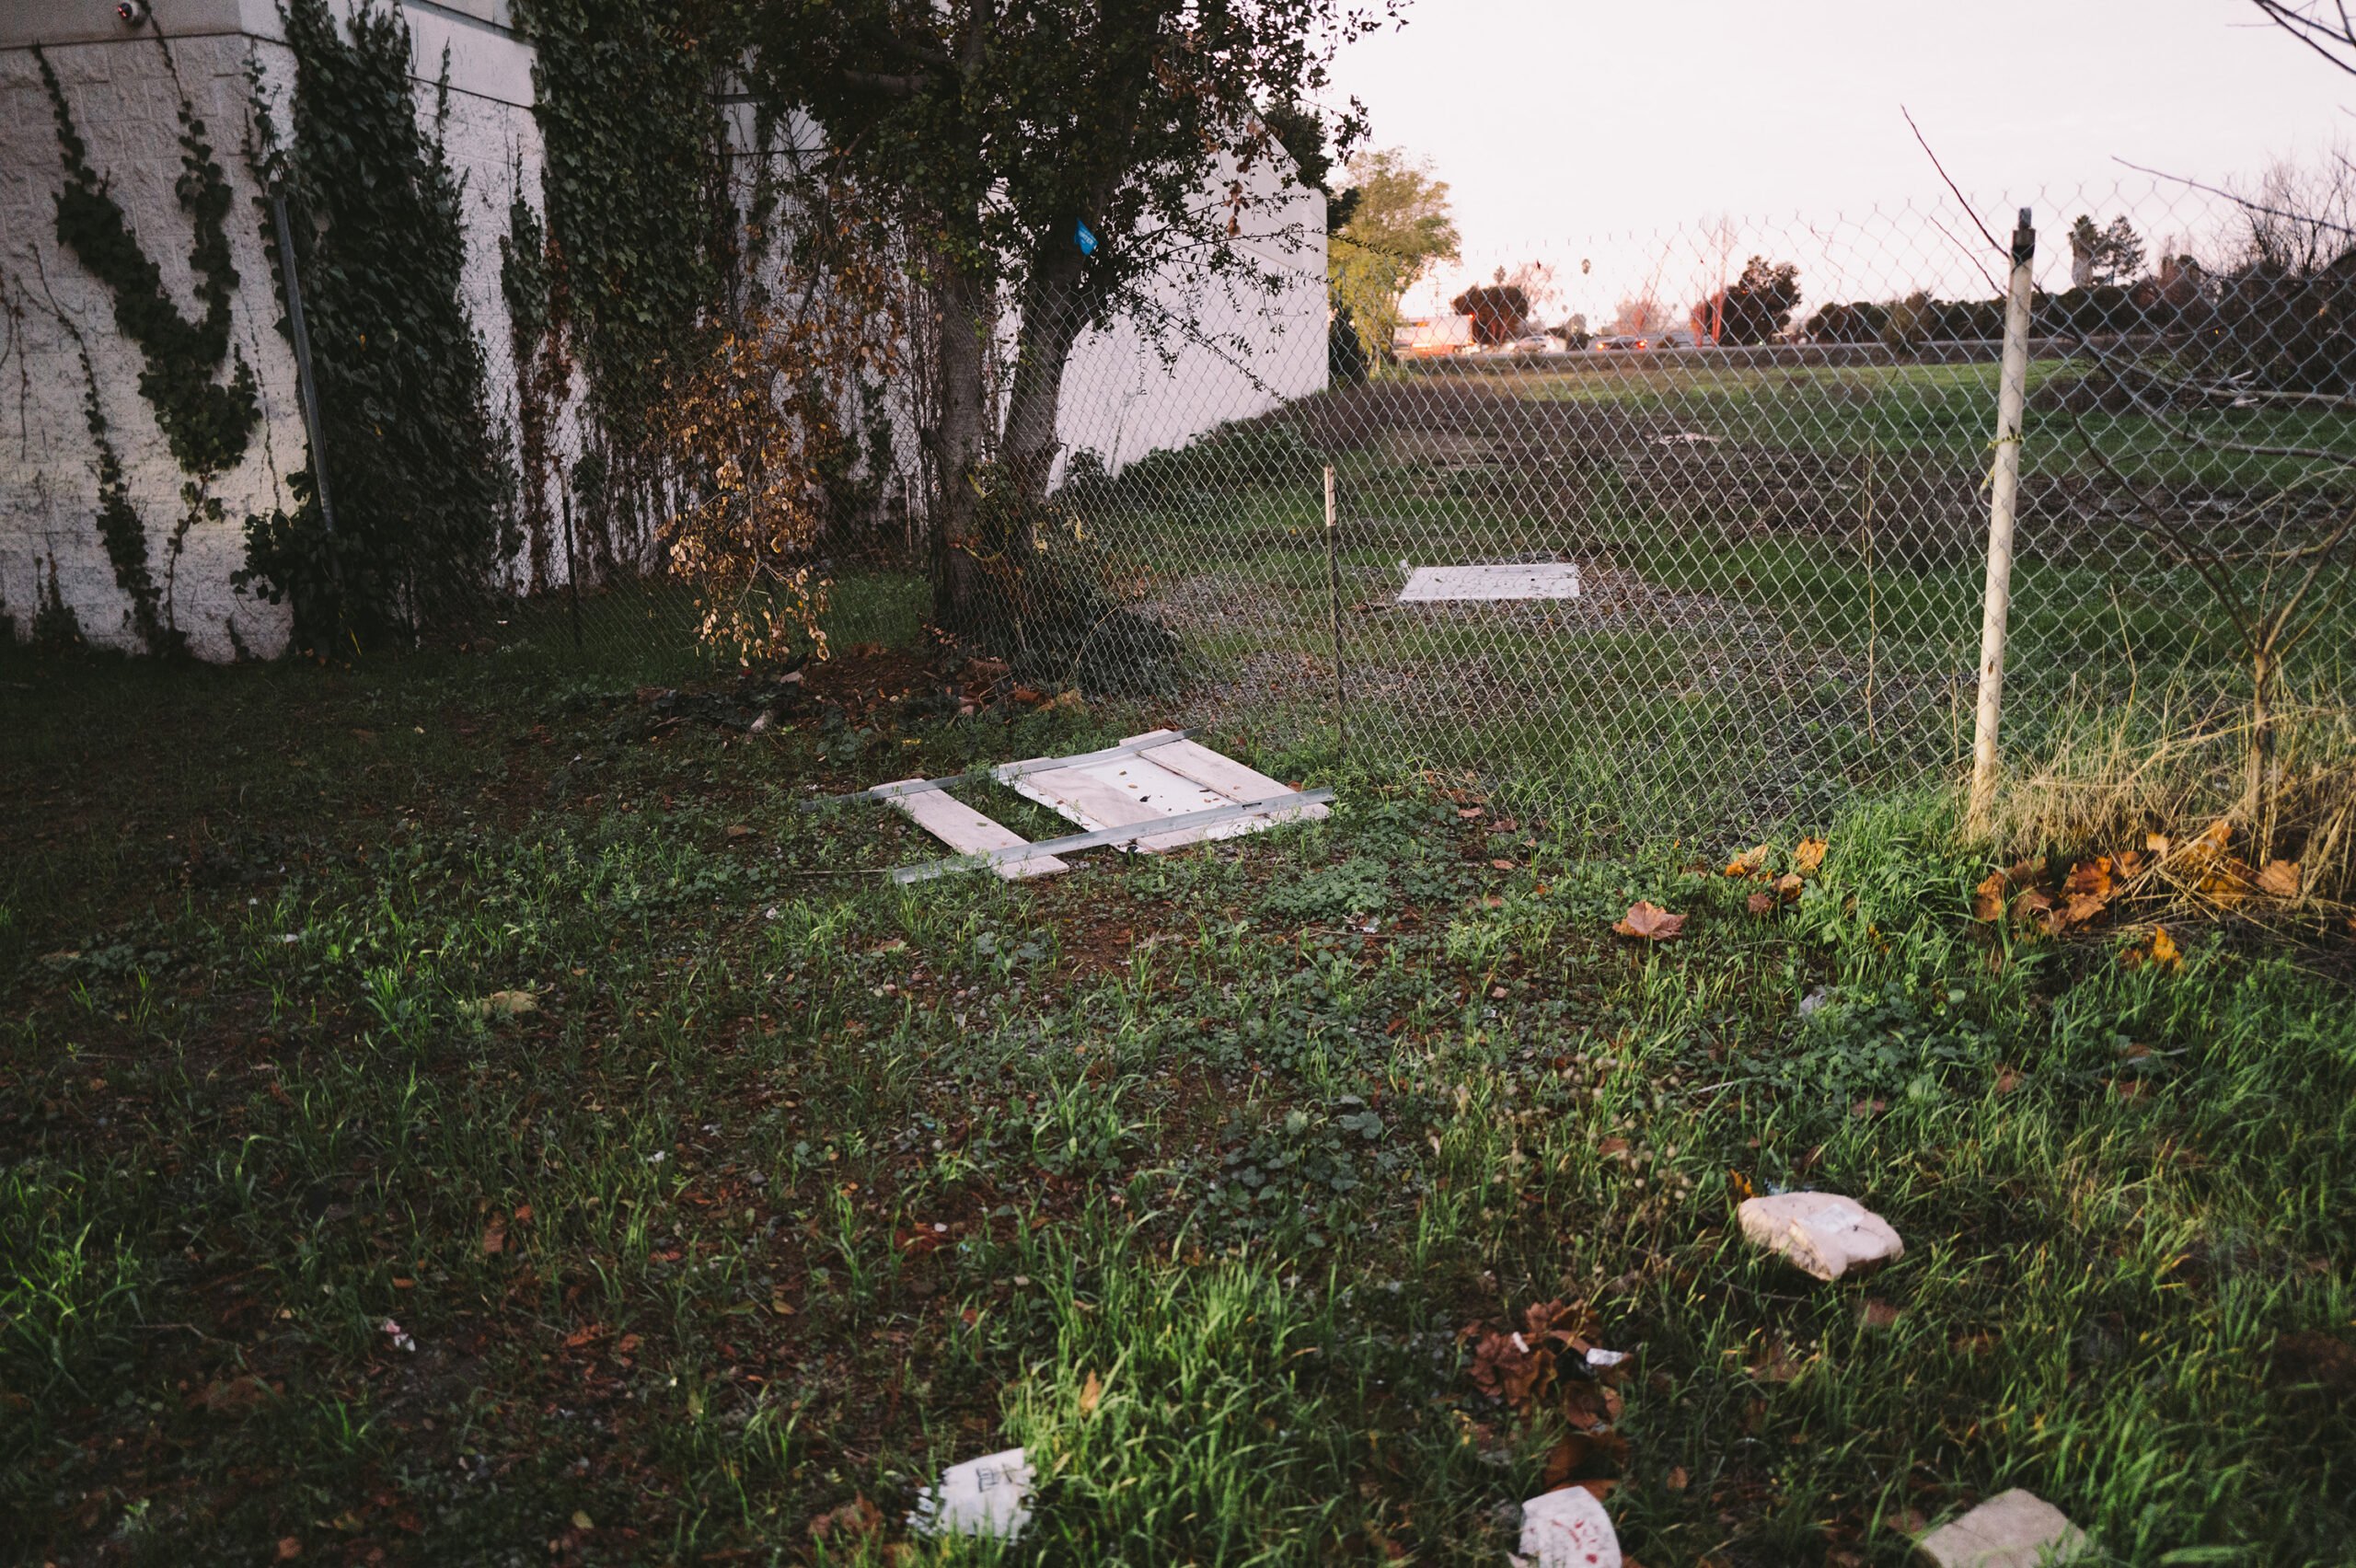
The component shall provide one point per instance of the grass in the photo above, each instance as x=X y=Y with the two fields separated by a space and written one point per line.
x=793 y=1186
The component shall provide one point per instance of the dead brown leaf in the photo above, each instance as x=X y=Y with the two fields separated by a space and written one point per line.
x=494 y=1240
x=1090 y=1393
x=1501 y=865
x=1749 y=863
x=2079 y=909
x=234 y=1396
x=1677 y=1480
x=1787 y=886
x=1879 y=1314
x=2089 y=877
x=1650 y=922
x=1988 y=898
x=1808 y=858
x=2280 y=879
x=1761 y=904
x=855 y=1518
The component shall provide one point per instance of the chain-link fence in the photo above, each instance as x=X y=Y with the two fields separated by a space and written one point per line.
x=1718 y=551
x=1689 y=528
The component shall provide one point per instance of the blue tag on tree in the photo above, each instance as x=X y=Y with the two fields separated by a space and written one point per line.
x=1084 y=237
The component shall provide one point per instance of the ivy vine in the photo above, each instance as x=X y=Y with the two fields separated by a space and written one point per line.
x=419 y=484
x=643 y=226
x=206 y=423
x=542 y=373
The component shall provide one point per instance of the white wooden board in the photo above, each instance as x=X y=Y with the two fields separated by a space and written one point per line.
x=1447 y=584
x=1229 y=778
x=1123 y=793
x=968 y=831
x=1173 y=778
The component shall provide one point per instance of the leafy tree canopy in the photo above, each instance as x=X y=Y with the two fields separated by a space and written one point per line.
x=1394 y=227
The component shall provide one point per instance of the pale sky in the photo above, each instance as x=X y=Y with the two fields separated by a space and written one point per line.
x=1559 y=124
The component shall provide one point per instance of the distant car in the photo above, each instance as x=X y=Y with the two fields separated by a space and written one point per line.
x=1622 y=342
x=1535 y=343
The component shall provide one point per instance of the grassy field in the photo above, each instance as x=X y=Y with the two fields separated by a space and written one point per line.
x=1203 y=1176
x=1783 y=571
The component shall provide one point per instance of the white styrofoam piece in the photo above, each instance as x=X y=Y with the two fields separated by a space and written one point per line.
x=984 y=1496
x=1537 y=579
x=2011 y=1530
x=1823 y=1234
x=1568 y=1529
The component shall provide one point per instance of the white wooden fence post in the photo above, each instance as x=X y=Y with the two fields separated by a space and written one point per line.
x=2003 y=493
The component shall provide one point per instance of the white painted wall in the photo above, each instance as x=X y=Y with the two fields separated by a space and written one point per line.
x=1214 y=350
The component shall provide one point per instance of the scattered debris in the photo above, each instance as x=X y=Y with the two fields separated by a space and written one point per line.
x=1816 y=1001
x=2013 y=1529
x=1182 y=794
x=1824 y=1234
x=1453 y=584
x=506 y=1004
x=984 y=1496
x=1567 y=1529
x=1650 y=922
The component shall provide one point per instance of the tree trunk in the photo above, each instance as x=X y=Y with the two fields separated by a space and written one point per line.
x=961 y=308
x=2259 y=776
x=1052 y=321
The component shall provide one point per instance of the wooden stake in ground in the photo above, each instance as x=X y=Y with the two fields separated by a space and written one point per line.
x=2003 y=493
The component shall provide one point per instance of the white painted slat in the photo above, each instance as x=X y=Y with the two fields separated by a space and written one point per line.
x=1190 y=759
x=1123 y=793
x=1447 y=584
x=968 y=831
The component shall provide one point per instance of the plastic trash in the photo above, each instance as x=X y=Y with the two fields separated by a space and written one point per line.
x=984 y=1496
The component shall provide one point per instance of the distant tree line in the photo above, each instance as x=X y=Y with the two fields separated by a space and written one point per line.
x=2280 y=318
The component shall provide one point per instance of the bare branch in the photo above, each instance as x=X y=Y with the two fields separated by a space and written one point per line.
x=2238 y=199
x=1992 y=242
x=2314 y=33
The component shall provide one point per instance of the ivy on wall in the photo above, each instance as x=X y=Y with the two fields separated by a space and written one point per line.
x=543 y=374
x=419 y=485
x=206 y=423
x=643 y=229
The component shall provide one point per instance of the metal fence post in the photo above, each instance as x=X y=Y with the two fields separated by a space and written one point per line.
x=2003 y=493
x=307 y=390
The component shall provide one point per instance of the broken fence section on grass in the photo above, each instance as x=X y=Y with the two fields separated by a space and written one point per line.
x=1182 y=794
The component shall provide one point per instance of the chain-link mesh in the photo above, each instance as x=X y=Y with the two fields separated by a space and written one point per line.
x=1761 y=452
x=1776 y=509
